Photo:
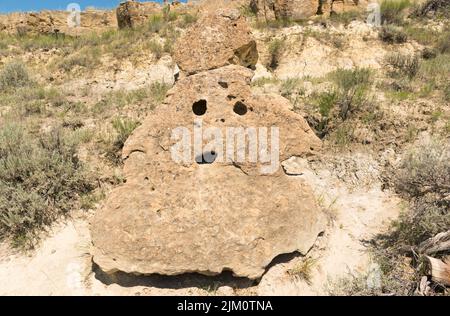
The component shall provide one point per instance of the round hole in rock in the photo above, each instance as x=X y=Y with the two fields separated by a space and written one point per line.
x=199 y=108
x=240 y=108
x=223 y=84
x=206 y=158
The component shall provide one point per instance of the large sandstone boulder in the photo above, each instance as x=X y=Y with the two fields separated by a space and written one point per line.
x=295 y=9
x=263 y=8
x=216 y=40
x=133 y=13
x=208 y=216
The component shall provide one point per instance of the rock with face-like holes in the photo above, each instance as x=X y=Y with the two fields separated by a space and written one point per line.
x=208 y=215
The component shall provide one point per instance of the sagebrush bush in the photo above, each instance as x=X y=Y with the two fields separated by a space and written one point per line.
x=392 y=34
x=352 y=86
x=14 y=75
x=403 y=64
x=40 y=180
x=426 y=169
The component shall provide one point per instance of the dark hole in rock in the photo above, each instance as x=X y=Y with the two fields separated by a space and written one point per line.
x=240 y=108
x=223 y=84
x=231 y=97
x=206 y=158
x=222 y=120
x=199 y=107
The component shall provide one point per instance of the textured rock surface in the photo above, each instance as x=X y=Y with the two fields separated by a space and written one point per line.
x=295 y=9
x=171 y=219
x=133 y=13
x=263 y=8
x=302 y=9
x=50 y=22
x=216 y=40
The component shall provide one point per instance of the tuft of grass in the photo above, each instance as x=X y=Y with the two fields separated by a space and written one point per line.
x=123 y=128
x=158 y=91
x=156 y=48
x=86 y=58
x=187 y=20
x=276 y=49
x=14 y=75
x=303 y=270
x=392 y=34
x=41 y=178
x=392 y=11
x=345 y=17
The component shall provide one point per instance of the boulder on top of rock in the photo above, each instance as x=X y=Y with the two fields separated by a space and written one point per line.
x=216 y=40
x=209 y=212
x=295 y=9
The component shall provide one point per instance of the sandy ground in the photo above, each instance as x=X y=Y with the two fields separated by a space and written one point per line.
x=61 y=265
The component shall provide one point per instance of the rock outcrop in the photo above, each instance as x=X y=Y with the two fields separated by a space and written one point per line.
x=302 y=9
x=207 y=217
x=52 y=22
x=133 y=13
x=206 y=209
x=216 y=40
x=295 y=9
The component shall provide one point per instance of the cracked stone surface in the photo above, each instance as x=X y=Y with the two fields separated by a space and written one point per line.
x=170 y=218
x=217 y=39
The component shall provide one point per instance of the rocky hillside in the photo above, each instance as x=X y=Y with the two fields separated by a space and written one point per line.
x=359 y=206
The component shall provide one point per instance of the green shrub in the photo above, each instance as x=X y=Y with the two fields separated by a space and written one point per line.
x=187 y=20
x=325 y=102
x=14 y=75
x=156 y=23
x=158 y=91
x=443 y=42
x=426 y=169
x=392 y=34
x=352 y=86
x=424 y=177
x=403 y=65
x=156 y=48
x=40 y=180
x=123 y=128
x=86 y=58
x=345 y=17
x=276 y=49
x=392 y=10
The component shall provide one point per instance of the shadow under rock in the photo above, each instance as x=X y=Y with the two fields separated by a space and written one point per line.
x=185 y=280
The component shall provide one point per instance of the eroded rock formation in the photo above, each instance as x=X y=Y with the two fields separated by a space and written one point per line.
x=210 y=212
x=133 y=13
x=216 y=40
